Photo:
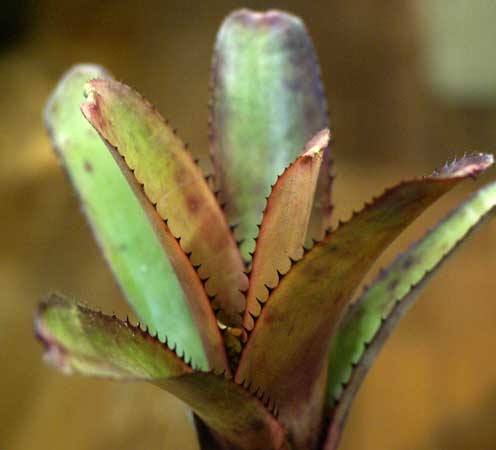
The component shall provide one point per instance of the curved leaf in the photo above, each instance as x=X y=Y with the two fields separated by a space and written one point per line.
x=285 y=224
x=175 y=185
x=206 y=438
x=195 y=295
x=292 y=334
x=267 y=102
x=79 y=340
x=121 y=228
x=229 y=409
x=372 y=318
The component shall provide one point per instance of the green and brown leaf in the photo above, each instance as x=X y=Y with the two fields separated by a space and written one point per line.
x=267 y=102
x=175 y=185
x=79 y=340
x=293 y=332
x=371 y=320
x=165 y=293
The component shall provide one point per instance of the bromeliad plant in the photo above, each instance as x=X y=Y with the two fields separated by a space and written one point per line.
x=247 y=305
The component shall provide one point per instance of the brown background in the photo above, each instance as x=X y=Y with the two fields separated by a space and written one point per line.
x=434 y=385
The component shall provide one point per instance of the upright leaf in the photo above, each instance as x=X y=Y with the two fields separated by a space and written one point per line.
x=284 y=224
x=120 y=225
x=175 y=185
x=267 y=102
x=373 y=317
x=79 y=340
x=292 y=333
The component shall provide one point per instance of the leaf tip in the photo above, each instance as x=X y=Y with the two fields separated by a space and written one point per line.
x=270 y=18
x=467 y=166
x=55 y=354
x=318 y=143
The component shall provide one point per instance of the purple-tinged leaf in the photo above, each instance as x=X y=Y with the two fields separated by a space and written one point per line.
x=284 y=224
x=372 y=319
x=175 y=185
x=292 y=334
x=267 y=102
x=79 y=340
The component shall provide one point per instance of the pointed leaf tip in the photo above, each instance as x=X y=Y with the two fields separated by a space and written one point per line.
x=152 y=154
x=470 y=165
x=133 y=247
x=371 y=320
x=284 y=225
x=318 y=143
x=267 y=102
x=303 y=312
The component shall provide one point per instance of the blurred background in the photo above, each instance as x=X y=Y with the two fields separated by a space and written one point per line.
x=410 y=84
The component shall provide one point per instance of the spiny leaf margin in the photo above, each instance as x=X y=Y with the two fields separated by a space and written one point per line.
x=163 y=166
x=284 y=224
x=141 y=268
x=80 y=340
x=385 y=310
x=293 y=332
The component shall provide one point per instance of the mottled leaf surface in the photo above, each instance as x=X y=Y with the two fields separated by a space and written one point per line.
x=229 y=409
x=118 y=221
x=175 y=184
x=285 y=224
x=267 y=102
x=371 y=320
x=374 y=316
x=79 y=340
x=292 y=333
x=193 y=288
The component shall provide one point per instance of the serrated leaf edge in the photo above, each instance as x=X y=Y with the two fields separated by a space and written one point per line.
x=396 y=313
x=88 y=94
x=143 y=329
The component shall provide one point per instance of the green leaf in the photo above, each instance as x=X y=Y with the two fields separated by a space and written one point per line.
x=284 y=224
x=78 y=340
x=175 y=185
x=267 y=102
x=371 y=320
x=292 y=334
x=119 y=223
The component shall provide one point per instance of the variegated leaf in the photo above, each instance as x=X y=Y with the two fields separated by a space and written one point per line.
x=128 y=241
x=267 y=102
x=79 y=340
x=175 y=185
x=292 y=334
x=376 y=313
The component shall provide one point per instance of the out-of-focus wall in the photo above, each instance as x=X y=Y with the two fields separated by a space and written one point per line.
x=434 y=385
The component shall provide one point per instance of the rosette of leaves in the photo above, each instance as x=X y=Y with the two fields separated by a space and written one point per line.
x=243 y=291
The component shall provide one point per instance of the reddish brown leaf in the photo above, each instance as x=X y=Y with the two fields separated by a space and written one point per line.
x=292 y=334
x=175 y=185
x=371 y=320
x=79 y=340
x=195 y=295
x=229 y=409
x=285 y=224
